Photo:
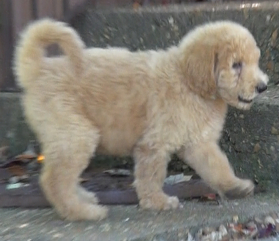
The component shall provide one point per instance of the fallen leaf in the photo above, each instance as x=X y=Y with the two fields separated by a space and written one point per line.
x=173 y=179
x=270 y=65
x=190 y=237
x=29 y=153
x=238 y=227
x=209 y=198
x=274 y=38
x=4 y=151
x=269 y=220
x=270 y=230
x=136 y=6
x=118 y=172
x=82 y=179
x=14 y=179
x=16 y=185
x=235 y=219
x=257 y=147
x=40 y=158
x=17 y=170
x=23 y=225
x=25 y=157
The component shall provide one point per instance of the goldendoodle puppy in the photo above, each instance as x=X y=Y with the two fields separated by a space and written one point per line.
x=147 y=104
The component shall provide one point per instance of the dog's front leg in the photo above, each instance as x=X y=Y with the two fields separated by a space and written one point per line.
x=150 y=172
x=213 y=167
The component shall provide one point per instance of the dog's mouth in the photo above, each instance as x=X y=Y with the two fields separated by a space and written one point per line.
x=243 y=100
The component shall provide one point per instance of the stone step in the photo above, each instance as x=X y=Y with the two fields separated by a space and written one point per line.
x=161 y=27
x=251 y=139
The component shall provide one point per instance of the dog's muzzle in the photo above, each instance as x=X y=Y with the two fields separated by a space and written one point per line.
x=246 y=101
x=261 y=87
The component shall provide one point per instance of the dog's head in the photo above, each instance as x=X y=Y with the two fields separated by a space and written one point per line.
x=221 y=60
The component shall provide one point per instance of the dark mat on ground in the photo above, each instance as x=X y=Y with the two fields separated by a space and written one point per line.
x=111 y=190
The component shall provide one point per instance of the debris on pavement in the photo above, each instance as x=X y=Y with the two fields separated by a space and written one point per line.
x=172 y=179
x=28 y=154
x=19 y=187
x=118 y=172
x=16 y=185
x=4 y=153
x=253 y=229
x=210 y=197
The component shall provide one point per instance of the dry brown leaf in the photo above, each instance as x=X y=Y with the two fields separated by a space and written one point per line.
x=17 y=170
x=4 y=154
x=270 y=65
x=238 y=227
x=29 y=153
x=23 y=157
x=274 y=38
x=210 y=197
x=82 y=179
x=136 y=5
x=4 y=151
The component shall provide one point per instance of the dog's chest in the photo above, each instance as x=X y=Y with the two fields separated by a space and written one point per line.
x=195 y=125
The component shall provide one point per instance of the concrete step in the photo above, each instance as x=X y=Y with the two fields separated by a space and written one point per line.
x=250 y=138
x=129 y=223
x=161 y=27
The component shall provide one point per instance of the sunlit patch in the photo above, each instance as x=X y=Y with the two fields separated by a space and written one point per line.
x=40 y=158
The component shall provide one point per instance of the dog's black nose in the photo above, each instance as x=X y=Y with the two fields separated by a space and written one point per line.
x=261 y=87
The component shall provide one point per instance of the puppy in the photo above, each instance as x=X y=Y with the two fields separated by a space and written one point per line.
x=145 y=104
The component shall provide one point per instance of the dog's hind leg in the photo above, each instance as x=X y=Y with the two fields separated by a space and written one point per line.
x=67 y=151
x=150 y=173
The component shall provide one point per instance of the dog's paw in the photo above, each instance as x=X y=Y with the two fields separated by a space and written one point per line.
x=244 y=188
x=87 y=196
x=85 y=212
x=159 y=201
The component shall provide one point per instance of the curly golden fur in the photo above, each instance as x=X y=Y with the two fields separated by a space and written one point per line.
x=147 y=104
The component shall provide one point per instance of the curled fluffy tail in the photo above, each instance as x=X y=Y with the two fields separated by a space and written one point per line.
x=29 y=53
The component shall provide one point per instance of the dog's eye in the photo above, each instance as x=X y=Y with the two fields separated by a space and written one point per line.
x=237 y=65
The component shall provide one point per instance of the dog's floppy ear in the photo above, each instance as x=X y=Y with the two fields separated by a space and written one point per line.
x=200 y=71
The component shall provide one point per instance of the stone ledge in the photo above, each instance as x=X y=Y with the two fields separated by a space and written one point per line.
x=251 y=139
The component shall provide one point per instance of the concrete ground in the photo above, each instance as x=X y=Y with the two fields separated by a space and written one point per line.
x=130 y=223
